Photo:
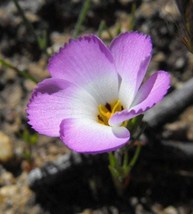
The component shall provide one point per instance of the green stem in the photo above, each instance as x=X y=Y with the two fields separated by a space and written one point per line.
x=22 y=73
x=135 y=158
x=125 y=159
x=101 y=28
x=132 y=23
x=81 y=18
x=120 y=171
x=112 y=159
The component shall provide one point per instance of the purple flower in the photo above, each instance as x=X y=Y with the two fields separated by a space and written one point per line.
x=94 y=90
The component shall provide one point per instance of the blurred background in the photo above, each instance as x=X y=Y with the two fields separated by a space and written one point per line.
x=39 y=175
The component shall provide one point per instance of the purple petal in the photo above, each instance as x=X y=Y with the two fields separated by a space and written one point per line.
x=88 y=136
x=56 y=99
x=151 y=92
x=122 y=116
x=132 y=53
x=87 y=62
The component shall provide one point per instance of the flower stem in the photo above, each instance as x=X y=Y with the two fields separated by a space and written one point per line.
x=120 y=170
x=101 y=27
x=135 y=157
x=133 y=18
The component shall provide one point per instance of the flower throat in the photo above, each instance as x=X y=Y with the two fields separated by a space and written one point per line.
x=106 y=111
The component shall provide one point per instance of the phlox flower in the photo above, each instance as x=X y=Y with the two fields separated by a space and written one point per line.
x=94 y=90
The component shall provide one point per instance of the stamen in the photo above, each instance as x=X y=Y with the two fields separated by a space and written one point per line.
x=104 y=114
x=116 y=106
x=100 y=118
x=107 y=110
x=108 y=106
x=104 y=111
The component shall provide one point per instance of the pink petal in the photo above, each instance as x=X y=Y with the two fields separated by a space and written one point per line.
x=122 y=116
x=151 y=92
x=87 y=62
x=56 y=99
x=88 y=136
x=132 y=53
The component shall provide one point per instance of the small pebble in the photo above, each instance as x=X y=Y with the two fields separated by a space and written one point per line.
x=170 y=210
x=6 y=178
x=6 y=151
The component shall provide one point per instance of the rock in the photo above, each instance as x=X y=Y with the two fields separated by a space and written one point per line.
x=15 y=95
x=38 y=70
x=6 y=178
x=180 y=63
x=170 y=210
x=6 y=151
x=58 y=41
x=29 y=85
x=18 y=198
x=8 y=191
x=14 y=198
x=139 y=209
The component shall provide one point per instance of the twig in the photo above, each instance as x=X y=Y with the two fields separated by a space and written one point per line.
x=22 y=73
x=25 y=20
x=42 y=39
x=67 y=166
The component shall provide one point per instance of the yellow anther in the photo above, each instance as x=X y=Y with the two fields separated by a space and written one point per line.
x=117 y=106
x=103 y=114
x=106 y=111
